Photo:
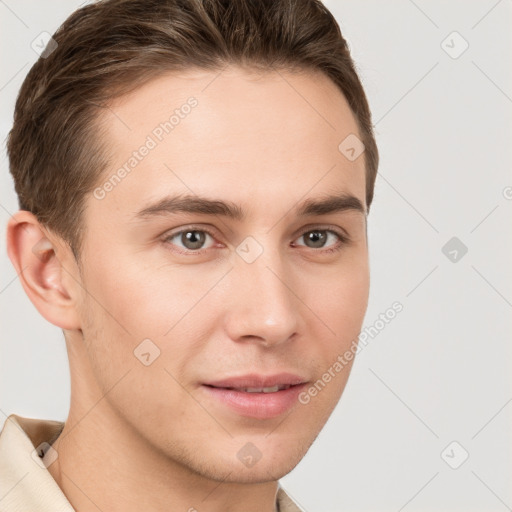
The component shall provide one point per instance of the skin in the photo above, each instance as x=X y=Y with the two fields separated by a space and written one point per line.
x=150 y=435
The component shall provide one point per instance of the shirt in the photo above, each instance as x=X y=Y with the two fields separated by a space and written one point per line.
x=26 y=485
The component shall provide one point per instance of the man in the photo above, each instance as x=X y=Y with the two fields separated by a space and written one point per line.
x=194 y=179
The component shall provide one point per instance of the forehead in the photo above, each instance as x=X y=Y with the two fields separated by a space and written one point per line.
x=236 y=134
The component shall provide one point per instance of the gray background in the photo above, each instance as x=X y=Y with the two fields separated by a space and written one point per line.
x=440 y=371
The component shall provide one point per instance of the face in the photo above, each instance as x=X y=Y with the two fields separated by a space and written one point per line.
x=183 y=299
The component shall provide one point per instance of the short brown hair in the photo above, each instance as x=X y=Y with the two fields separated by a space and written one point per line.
x=111 y=47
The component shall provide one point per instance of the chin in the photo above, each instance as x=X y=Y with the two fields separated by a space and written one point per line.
x=242 y=462
x=261 y=472
x=275 y=459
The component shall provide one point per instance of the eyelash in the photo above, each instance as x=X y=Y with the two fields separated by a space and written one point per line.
x=343 y=239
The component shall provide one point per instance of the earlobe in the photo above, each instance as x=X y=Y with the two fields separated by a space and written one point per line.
x=41 y=262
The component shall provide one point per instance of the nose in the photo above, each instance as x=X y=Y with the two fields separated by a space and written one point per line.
x=263 y=306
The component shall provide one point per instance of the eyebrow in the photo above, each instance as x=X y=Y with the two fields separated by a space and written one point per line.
x=202 y=205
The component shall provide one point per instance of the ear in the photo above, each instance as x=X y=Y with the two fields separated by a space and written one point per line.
x=46 y=268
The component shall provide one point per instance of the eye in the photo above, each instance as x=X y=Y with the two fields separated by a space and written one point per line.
x=191 y=239
x=317 y=239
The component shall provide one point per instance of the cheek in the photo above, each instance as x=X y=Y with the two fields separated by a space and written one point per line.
x=123 y=323
x=341 y=306
x=135 y=298
x=341 y=299
x=132 y=302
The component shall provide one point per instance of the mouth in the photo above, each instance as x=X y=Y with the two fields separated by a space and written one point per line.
x=270 y=389
x=256 y=396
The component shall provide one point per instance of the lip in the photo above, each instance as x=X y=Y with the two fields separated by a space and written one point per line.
x=258 y=405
